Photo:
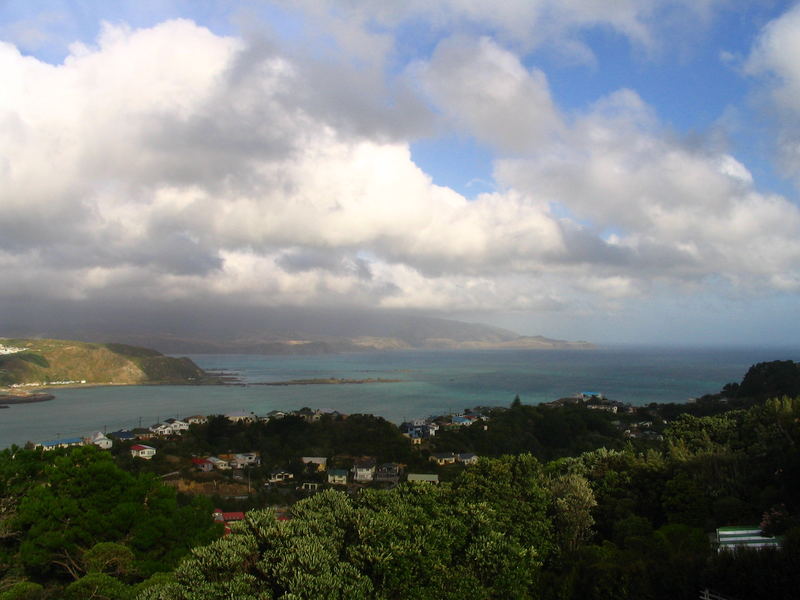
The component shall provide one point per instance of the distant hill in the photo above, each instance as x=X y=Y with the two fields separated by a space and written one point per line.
x=177 y=329
x=439 y=335
x=46 y=361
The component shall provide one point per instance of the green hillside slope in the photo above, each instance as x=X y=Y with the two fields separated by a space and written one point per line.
x=45 y=361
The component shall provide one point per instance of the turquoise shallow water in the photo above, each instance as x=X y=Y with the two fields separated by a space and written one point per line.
x=433 y=382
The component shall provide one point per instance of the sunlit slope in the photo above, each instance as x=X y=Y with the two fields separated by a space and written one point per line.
x=46 y=361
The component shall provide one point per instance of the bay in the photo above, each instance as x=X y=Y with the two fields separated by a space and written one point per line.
x=432 y=382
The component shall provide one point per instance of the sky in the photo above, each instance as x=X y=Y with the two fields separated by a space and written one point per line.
x=621 y=172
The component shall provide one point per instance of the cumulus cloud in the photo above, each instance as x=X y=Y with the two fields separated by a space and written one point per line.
x=171 y=163
x=157 y=161
x=775 y=57
x=490 y=94
x=672 y=210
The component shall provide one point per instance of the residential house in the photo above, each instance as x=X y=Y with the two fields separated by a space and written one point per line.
x=197 y=419
x=418 y=430
x=461 y=420
x=307 y=414
x=274 y=414
x=143 y=434
x=317 y=463
x=732 y=538
x=309 y=486
x=364 y=469
x=162 y=429
x=62 y=443
x=232 y=461
x=422 y=478
x=337 y=476
x=99 y=439
x=203 y=464
x=443 y=458
x=241 y=417
x=122 y=435
x=226 y=518
x=219 y=463
x=467 y=458
x=406 y=427
x=142 y=451
x=388 y=472
x=606 y=407
x=279 y=476
x=177 y=425
x=248 y=459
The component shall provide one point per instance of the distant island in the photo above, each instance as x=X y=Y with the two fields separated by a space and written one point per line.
x=28 y=365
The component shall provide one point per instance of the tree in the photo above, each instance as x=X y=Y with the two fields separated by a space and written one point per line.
x=97 y=586
x=573 y=501
x=108 y=557
x=88 y=500
x=23 y=590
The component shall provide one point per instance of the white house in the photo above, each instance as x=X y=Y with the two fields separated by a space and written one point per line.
x=364 y=469
x=177 y=425
x=197 y=419
x=279 y=475
x=337 y=476
x=241 y=417
x=99 y=439
x=161 y=429
x=248 y=459
x=218 y=463
x=142 y=451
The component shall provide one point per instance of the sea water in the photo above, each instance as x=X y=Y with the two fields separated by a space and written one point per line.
x=431 y=382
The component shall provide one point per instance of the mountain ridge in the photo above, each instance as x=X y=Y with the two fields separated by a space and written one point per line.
x=249 y=330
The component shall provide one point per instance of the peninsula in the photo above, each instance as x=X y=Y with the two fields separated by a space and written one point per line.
x=29 y=365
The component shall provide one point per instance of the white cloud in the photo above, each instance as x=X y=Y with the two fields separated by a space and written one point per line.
x=776 y=58
x=490 y=94
x=173 y=163
x=528 y=24
x=157 y=156
x=678 y=212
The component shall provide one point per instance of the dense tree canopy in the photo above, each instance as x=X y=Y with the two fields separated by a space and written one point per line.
x=74 y=513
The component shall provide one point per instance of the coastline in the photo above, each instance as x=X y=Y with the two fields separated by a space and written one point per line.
x=24 y=398
x=71 y=386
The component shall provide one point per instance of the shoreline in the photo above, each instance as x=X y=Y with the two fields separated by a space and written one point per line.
x=6 y=399
x=73 y=386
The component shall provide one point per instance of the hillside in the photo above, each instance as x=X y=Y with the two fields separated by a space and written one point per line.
x=56 y=362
